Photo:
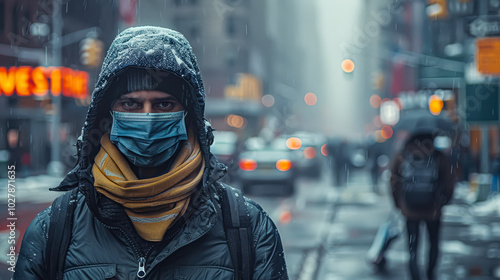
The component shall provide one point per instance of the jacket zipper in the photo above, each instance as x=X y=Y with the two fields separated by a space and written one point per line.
x=141 y=272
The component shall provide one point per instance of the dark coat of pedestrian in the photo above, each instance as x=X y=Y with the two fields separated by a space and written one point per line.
x=339 y=156
x=146 y=178
x=421 y=148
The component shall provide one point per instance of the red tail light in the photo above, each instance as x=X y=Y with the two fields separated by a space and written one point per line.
x=309 y=152
x=285 y=217
x=324 y=150
x=293 y=143
x=247 y=164
x=283 y=165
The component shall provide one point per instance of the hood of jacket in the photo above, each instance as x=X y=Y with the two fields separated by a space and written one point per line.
x=147 y=47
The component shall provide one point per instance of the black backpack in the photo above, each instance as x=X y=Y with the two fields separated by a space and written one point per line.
x=420 y=178
x=235 y=216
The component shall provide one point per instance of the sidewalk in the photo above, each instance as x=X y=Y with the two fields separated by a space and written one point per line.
x=31 y=189
x=470 y=246
x=359 y=214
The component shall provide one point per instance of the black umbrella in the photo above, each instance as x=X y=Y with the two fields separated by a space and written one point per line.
x=421 y=121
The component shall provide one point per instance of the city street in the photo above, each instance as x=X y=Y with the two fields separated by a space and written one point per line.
x=305 y=104
x=331 y=229
x=327 y=232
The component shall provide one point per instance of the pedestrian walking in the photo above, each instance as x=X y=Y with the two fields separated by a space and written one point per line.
x=375 y=155
x=144 y=200
x=422 y=181
x=337 y=150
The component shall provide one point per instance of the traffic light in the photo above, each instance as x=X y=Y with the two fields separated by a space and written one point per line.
x=437 y=9
x=91 y=52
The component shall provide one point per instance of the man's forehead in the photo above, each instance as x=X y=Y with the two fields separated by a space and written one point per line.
x=146 y=94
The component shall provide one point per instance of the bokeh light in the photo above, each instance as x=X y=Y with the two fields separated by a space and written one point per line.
x=347 y=65
x=247 y=164
x=389 y=112
x=324 y=150
x=268 y=100
x=283 y=165
x=293 y=143
x=236 y=121
x=435 y=105
x=386 y=132
x=375 y=100
x=285 y=217
x=310 y=99
x=309 y=152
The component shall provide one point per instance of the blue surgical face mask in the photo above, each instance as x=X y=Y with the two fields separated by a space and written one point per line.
x=148 y=139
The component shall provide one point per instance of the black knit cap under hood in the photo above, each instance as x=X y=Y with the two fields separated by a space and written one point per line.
x=138 y=79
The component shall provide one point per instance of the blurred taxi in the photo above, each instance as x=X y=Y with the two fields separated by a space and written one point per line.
x=310 y=152
x=266 y=163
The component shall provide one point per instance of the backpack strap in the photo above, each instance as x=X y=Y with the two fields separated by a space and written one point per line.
x=61 y=225
x=238 y=230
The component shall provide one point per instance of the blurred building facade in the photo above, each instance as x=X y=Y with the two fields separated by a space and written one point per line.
x=245 y=49
x=224 y=37
x=431 y=48
x=248 y=49
x=27 y=61
x=233 y=51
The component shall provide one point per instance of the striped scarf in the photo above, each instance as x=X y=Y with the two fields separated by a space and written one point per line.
x=152 y=204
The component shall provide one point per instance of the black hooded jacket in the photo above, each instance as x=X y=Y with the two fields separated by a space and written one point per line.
x=105 y=244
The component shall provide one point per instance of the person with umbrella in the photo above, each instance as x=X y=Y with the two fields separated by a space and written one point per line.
x=422 y=182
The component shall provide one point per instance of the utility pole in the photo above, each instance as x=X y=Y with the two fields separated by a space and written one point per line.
x=485 y=157
x=55 y=166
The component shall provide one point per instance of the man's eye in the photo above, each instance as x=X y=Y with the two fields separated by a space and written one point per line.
x=165 y=104
x=129 y=104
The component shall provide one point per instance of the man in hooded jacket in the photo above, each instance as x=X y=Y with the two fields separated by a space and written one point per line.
x=420 y=151
x=146 y=178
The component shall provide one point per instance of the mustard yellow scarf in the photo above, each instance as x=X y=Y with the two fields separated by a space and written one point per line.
x=152 y=204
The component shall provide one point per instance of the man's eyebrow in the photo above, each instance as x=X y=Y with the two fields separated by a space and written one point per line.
x=135 y=99
x=170 y=98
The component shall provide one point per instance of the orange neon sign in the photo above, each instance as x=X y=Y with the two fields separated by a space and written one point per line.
x=27 y=81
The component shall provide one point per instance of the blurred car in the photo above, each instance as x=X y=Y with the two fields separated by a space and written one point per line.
x=224 y=149
x=263 y=163
x=310 y=159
